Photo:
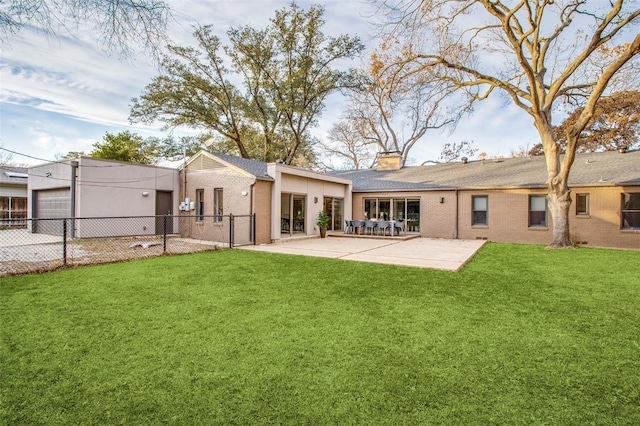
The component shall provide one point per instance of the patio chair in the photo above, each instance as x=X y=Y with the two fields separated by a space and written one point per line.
x=383 y=226
x=369 y=225
x=357 y=225
x=399 y=227
x=348 y=226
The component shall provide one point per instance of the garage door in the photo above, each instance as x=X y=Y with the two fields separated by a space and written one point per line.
x=51 y=204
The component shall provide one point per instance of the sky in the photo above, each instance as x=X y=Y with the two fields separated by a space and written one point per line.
x=61 y=94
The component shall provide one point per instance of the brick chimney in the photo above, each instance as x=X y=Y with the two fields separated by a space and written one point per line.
x=389 y=160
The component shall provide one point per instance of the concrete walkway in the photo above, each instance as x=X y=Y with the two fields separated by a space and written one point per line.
x=448 y=255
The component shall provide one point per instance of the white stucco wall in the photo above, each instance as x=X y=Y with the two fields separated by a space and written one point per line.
x=106 y=188
x=314 y=186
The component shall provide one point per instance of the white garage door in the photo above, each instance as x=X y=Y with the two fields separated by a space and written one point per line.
x=51 y=204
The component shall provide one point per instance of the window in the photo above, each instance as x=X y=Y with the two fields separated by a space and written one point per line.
x=217 y=205
x=480 y=209
x=199 y=205
x=333 y=208
x=537 y=211
x=631 y=211
x=293 y=211
x=400 y=209
x=582 y=204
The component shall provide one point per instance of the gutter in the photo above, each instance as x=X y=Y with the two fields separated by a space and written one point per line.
x=455 y=229
x=252 y=232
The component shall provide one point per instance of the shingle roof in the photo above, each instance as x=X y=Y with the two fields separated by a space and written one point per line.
x=8 y=175
x=600 y=169
x=255 y=167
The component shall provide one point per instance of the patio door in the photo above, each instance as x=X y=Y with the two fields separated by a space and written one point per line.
x=293 y=214
x=401 y=209
x=333 y=207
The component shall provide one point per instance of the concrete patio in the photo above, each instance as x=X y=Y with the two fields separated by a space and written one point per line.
x=433 y=253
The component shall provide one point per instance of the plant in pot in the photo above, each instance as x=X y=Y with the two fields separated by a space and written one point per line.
x=322 y=222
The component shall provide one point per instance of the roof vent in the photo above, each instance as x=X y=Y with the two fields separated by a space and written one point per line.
x=465 y=160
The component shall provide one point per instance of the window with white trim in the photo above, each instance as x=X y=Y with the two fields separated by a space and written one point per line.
x=480 y=209
x=582 y=204
x=631 y=210
x=537 y=211
x=199 y=205
x=218 y=205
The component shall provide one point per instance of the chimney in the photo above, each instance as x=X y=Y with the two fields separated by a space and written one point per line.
x=389 y=160
x=465 y=160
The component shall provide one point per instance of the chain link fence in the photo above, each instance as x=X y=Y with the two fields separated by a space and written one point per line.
x=48 y=244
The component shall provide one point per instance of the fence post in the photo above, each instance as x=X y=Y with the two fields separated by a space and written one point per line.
x=64 y=242
x=230 y=230
x=164 y=233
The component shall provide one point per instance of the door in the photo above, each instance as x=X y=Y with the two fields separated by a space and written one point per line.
x=293 y=211
x=51 y=204
x=164 y=207
x=333 y=208
x=299 y=214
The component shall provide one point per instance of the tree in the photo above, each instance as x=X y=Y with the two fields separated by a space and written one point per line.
x=119 y=23
x=391 y=110
x=615 y=124
x=124 y=146
x=287 y=72
x=347 y=144
x=539 y=53
x=453 y=151
x=71 y=155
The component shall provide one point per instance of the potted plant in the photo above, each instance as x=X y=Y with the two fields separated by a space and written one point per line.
x=322 y=222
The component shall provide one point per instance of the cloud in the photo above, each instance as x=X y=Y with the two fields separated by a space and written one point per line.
x=63 y=93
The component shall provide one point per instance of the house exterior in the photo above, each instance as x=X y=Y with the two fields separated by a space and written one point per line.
x=95 y=188
x=501 y=200
x=505 y=200
x=13 y=196
x=284 y=199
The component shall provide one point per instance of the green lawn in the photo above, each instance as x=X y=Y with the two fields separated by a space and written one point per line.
x=522 y=335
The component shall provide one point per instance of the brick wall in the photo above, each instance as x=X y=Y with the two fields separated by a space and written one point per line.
x=233 y=184
x=508 y=216
x=262 y=209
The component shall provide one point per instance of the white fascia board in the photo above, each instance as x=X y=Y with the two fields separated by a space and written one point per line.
x=296 y=171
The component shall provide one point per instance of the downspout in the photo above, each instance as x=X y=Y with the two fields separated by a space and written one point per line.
x=455 y=230
x=252 y=228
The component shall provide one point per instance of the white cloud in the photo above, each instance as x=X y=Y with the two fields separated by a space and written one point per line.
x=62 y=94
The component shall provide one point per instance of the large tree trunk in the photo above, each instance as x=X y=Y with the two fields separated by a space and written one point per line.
x=559 y=195
x=559 y=198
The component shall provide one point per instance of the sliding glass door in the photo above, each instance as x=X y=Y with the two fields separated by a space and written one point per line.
x=400 y=209
x=293 y=214
x=333 y=208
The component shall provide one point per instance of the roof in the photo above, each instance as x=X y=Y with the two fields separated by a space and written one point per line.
x=14 y=175
x=254 y=167
x=597 y=169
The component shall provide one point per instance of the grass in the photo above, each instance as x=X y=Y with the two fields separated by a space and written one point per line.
x=522 y=335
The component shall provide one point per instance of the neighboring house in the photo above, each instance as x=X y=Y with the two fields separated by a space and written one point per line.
x=90 y=188
x=284 y=199
x=13 y=196
x=504 y=199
